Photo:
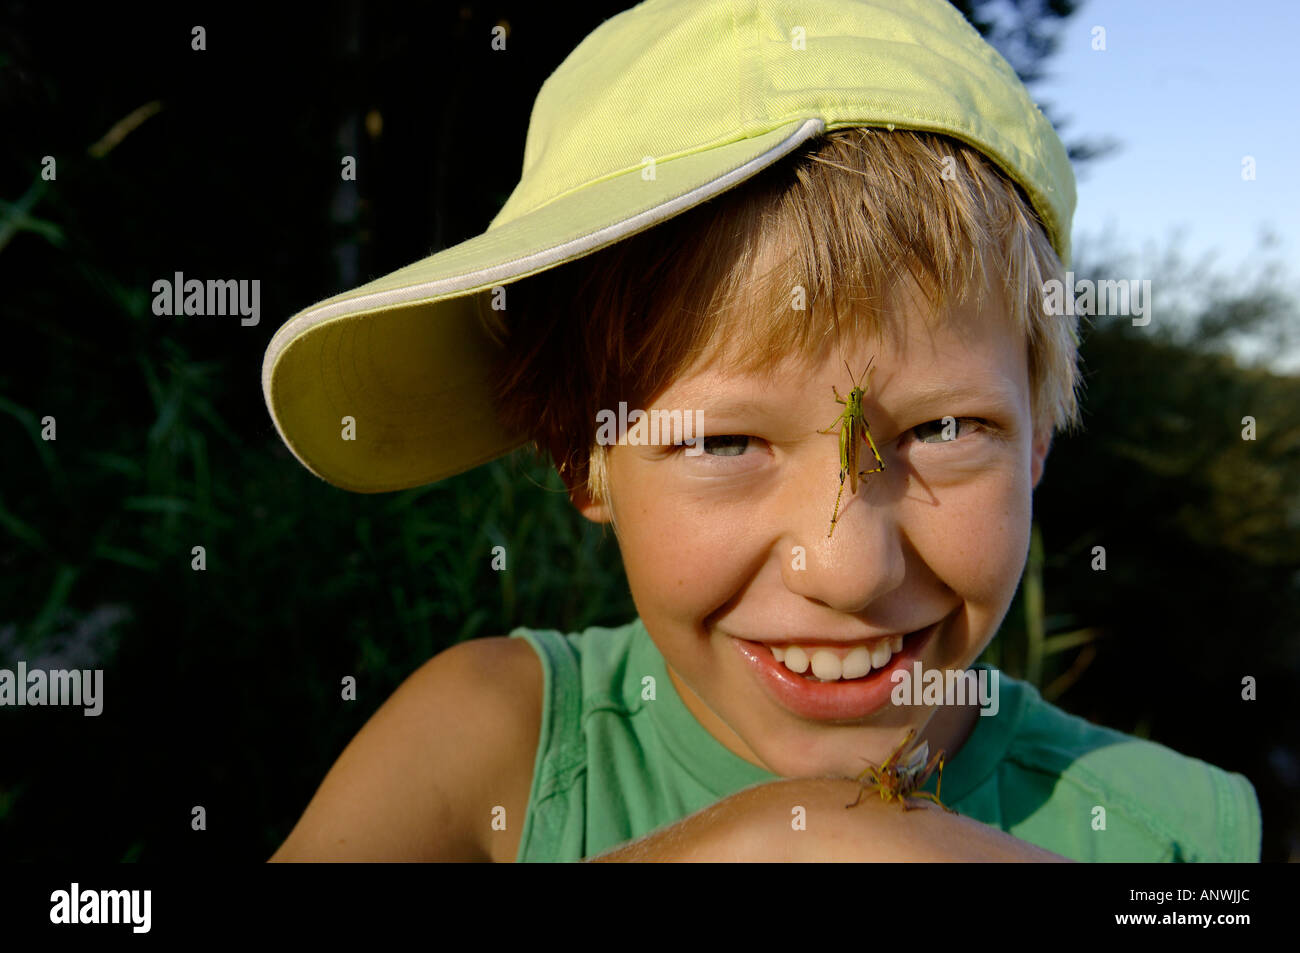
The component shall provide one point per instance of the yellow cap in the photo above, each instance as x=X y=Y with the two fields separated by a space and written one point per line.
x=658 y=110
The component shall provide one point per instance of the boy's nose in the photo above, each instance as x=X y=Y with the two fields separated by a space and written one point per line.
x=864 y=559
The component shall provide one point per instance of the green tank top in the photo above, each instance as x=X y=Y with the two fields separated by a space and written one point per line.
x=613 y=765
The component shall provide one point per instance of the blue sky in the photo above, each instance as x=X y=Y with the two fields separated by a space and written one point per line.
x=1188 y=87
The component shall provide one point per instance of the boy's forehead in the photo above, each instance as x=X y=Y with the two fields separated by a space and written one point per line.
x=908 y=333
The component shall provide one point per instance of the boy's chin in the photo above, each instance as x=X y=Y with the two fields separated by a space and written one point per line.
x=835 y=757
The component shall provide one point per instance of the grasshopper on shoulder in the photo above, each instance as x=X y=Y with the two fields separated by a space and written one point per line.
x=903 y=774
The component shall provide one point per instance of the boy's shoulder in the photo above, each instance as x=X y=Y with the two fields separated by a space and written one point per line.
x=503 y=683
x=1105 y=795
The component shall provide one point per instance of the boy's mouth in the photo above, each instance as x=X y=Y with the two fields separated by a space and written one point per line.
x=796 y=674
x=825 y=663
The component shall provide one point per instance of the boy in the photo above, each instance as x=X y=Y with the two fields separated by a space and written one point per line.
x=728 y=211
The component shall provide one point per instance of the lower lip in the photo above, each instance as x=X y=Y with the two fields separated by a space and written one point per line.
x=831 y=701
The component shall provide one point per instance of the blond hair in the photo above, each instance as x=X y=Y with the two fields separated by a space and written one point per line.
x=845 y=218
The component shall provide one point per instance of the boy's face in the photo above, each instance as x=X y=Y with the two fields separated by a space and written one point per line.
x=727 y=552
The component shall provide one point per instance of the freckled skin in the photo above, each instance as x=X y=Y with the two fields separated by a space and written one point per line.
x=943 y=533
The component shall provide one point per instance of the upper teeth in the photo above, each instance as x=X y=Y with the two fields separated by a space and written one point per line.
x=829 y=666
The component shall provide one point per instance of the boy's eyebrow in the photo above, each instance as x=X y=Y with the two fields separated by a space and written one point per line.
x=949 y=391
x=930 y=392
x=732 y=406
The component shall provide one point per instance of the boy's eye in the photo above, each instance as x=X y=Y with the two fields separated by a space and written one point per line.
x=726 y=445
x=723 y=445
x=945 y=430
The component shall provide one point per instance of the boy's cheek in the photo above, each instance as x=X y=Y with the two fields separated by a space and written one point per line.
x=977 y=543
x=681 y=560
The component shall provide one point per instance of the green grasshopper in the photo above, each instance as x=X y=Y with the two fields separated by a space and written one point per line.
x=853 y=427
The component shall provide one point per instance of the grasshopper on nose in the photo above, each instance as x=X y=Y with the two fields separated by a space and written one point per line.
x=853 y=426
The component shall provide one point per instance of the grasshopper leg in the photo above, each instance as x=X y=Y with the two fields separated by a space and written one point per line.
x=861 y=790
x=933 y=797
x=880 y=464
x=835 y=516
x=868 y=778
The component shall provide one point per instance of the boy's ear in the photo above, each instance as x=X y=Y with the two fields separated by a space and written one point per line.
x=595 y=511
x=582 y=499
x=1038 y=455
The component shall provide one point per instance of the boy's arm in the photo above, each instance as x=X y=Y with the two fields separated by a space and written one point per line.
x=755 y=825
x=418 y=780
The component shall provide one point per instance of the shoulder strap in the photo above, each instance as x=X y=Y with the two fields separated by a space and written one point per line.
x=556 y=802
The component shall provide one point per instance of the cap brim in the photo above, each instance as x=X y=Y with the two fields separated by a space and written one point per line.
x=406 y=356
